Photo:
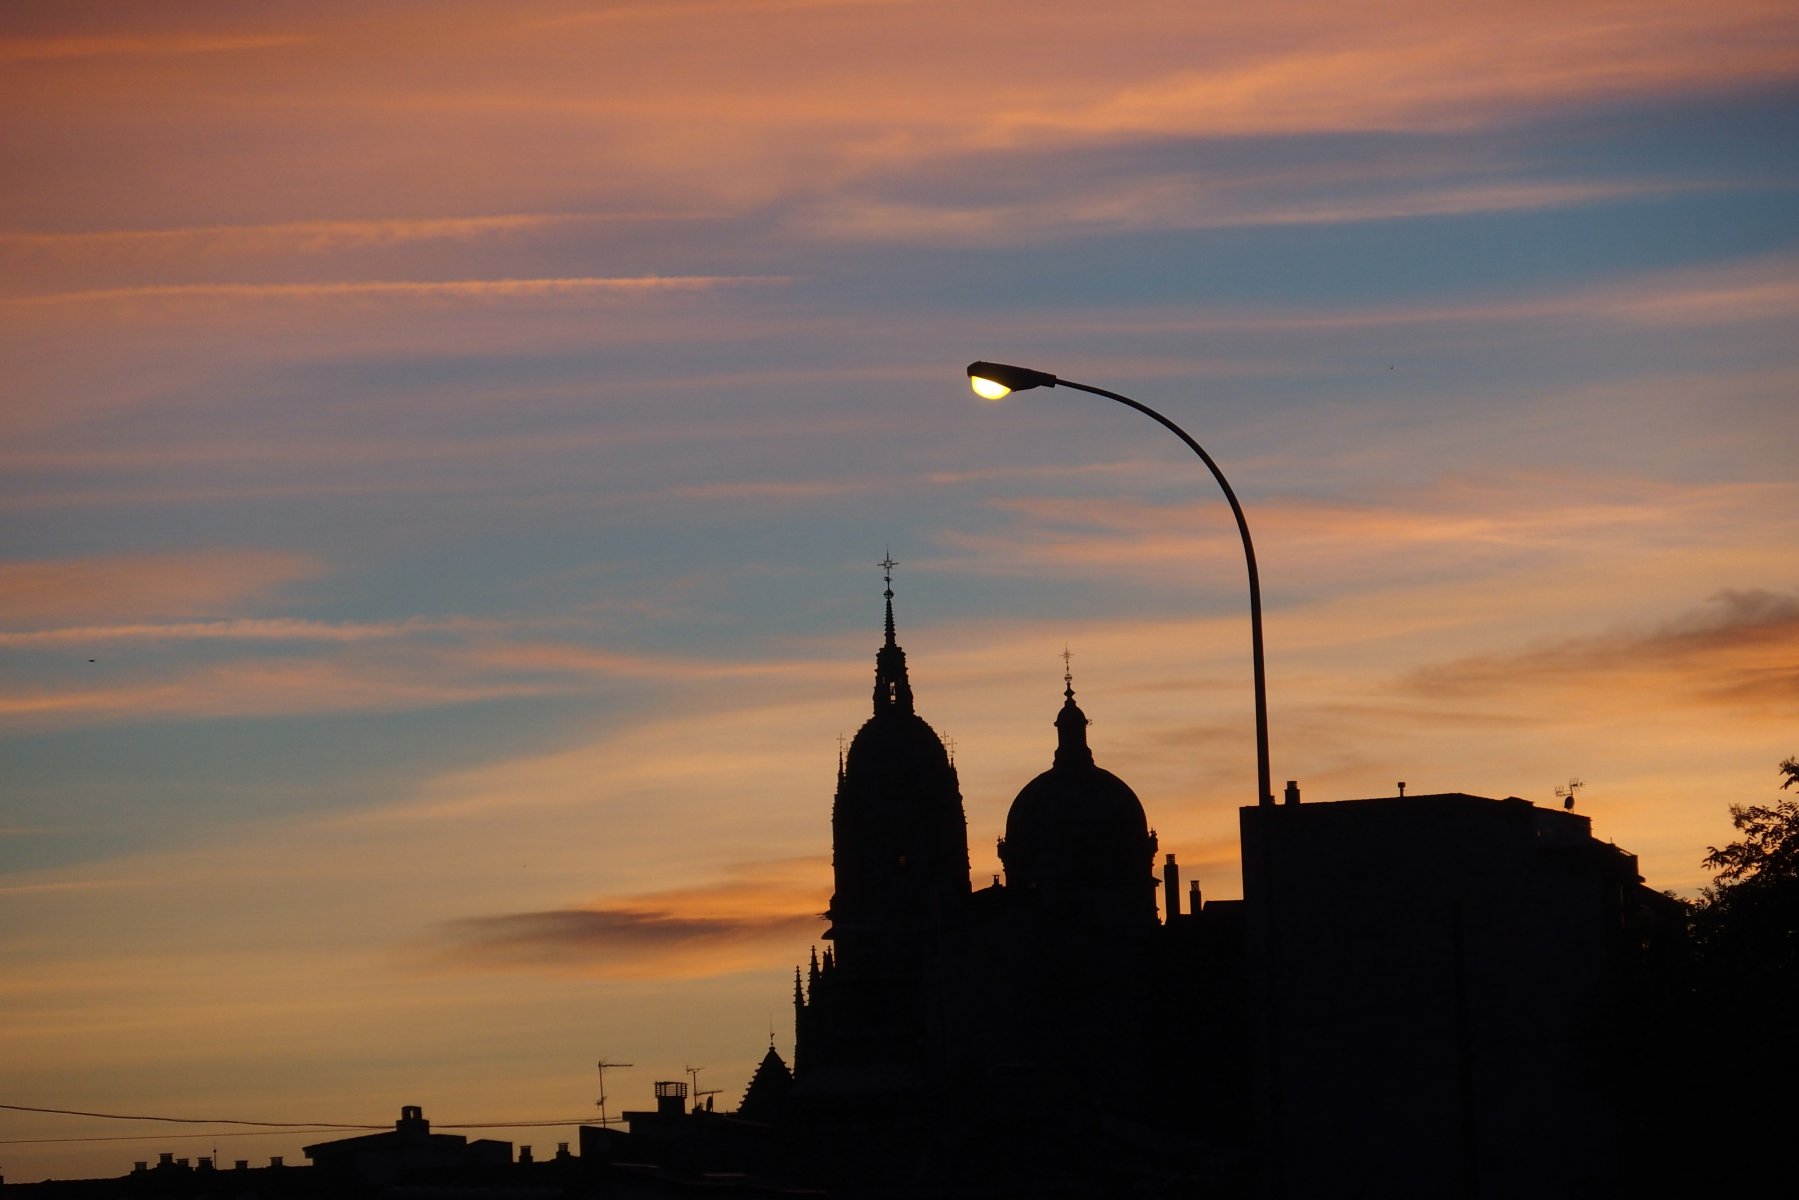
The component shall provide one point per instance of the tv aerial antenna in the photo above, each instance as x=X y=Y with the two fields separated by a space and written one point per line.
x=1566 y=795
x=603 y=1064
x=693 y=1076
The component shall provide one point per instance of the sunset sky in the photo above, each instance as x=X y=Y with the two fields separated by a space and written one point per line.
x=446 y=446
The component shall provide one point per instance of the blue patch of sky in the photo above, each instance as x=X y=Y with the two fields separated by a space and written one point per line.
x=1363 y=263
x=159 y=783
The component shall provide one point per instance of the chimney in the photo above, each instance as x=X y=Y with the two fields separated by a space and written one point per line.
x=671 y=1098
x=1193 y=898
x=524 y=1156
x=275 y=1160
x=1171 y=884
x=242 y=1164
x=1292 y=796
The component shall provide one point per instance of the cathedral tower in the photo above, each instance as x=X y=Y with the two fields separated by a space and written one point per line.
x=899 y=834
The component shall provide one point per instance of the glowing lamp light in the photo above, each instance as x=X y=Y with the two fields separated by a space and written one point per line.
x=988 y=389
x=996 y=381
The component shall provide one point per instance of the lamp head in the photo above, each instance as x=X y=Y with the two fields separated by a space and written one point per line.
x=996 y=381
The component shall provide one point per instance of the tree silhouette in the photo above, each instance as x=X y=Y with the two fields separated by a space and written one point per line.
x=1769 y=851
x=1703 y=1050
x=1746 y=928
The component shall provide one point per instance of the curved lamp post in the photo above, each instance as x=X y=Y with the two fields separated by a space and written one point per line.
x=995 y=381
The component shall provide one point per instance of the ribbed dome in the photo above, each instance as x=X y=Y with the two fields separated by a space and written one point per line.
x=898 y=742
x=1076 y=825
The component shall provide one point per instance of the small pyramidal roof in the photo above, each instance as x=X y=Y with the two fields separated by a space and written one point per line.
x=766 y=1096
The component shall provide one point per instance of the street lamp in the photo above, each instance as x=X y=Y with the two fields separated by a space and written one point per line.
x=996 y=381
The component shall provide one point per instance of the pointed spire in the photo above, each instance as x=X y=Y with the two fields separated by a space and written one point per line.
x=893 y=691
x=1071 y=723
x=887 y=564
x=813 y=973
x=799 y=997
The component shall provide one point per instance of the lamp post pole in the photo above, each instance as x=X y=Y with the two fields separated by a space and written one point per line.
x=994 y=381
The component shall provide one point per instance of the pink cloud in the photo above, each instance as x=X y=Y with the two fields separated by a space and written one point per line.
x=447 y=289
x=51 y=49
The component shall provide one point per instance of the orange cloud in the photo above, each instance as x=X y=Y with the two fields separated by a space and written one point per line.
x=1743 y=648
x=713 y=929
x=138 y=586
x=308 y=237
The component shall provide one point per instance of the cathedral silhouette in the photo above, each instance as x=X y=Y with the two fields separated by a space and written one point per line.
x=1027 y=1030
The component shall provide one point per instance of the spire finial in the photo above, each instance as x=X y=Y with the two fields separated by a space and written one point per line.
x=1071 y=722
x=887 y=564
x=893 y=693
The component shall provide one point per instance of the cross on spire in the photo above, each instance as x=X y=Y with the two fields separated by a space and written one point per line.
x=887 y=564
x=1067 y=671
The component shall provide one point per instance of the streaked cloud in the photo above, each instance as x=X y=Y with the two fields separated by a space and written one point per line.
x=1455 y=521
x=260 y=687
x=309 y=237
x=35 y=593
x=52 y=49
x=1430 y=68
x=714 y=929
x=1193 y=203
x=277 y=629
x=1741 y=648
x=450 y=289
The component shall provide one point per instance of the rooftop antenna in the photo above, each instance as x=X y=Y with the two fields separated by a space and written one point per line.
x=602 y=1100
x=1566 y=795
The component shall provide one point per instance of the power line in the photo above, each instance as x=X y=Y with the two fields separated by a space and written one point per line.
x=75 y=1112
x=150 y=1137
x=263 y=1128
